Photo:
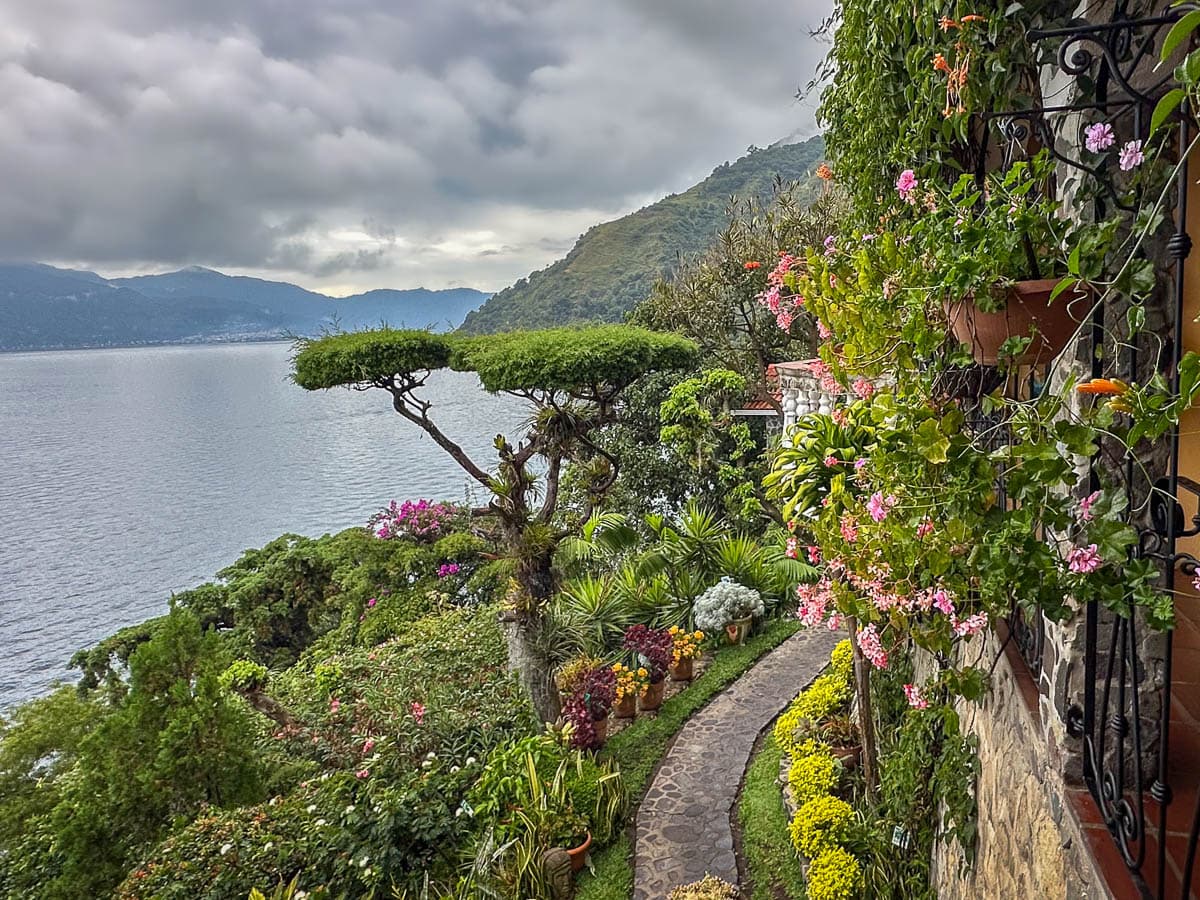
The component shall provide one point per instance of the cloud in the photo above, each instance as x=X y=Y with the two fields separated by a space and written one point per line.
x=369 y=143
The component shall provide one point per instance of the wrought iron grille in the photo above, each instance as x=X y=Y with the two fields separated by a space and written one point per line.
x=1125 y=715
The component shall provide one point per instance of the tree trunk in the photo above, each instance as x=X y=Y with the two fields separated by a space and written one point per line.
x=526 y=659
x=526 y=653
x=866 y=718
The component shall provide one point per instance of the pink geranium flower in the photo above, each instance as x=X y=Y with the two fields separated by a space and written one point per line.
x=1098 y=137
x=1085 y=506
x=925 y=529
x=1131 y=156
x=906 y=184
x=863 y=388
x=831 y=461
x=879 y=506
x=1084 y=560
x=418 y=711
x=915 y=698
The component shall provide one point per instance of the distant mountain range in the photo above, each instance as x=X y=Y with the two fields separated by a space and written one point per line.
x=42 y=307
x=613 y=266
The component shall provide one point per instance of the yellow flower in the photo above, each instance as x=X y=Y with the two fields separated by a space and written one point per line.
x=699 y=635
x=643 y=672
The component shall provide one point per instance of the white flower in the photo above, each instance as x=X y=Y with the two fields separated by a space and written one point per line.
x=268 y=845
x=225 y=848
x=320 y=821
x=350 y=809
x=453 y=769
x=471 y=760
x=312 y=808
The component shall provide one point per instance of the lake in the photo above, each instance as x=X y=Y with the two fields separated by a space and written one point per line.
x=128 y=474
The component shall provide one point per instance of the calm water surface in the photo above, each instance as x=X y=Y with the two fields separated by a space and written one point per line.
x=128 y=474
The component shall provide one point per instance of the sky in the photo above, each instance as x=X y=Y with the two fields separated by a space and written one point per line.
x=352 y=144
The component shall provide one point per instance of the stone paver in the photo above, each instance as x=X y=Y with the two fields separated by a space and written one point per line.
x=683 y=824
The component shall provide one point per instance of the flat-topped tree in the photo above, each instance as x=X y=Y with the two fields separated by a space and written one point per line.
x=573 y=379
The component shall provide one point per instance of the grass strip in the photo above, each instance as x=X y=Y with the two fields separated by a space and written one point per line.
x=771 y=864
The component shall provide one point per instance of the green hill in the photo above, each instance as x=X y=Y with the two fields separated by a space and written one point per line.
x=612 y=266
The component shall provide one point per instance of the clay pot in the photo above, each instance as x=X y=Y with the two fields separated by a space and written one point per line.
x=849 y=756
x=600 y=726
x=738 y=629
x=682 y=671
x=579 y=854
x=626 y=707
x=1028 y=307
x=651 y=697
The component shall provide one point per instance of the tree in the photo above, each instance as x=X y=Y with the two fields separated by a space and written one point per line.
x=574 y=381
x=713 y=298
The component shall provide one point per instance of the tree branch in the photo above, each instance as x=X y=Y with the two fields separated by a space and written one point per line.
x=418 y=414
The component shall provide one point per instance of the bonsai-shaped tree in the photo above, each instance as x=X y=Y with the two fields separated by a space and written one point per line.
x=573 y=379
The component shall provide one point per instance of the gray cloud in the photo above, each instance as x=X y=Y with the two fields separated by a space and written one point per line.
x=362 y=143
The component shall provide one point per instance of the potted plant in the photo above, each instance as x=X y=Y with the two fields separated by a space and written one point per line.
x=629 y=684
x=1008 y=269
x=588 y=706
x=841 y=734
x=728 y=605
x=653 y=647
x=572 y=673
x=684 y=652
x=569 y=830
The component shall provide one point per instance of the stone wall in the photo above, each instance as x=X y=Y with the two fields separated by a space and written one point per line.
x=1029 y=842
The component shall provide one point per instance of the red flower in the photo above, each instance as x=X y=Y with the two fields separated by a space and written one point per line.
x=752 y=265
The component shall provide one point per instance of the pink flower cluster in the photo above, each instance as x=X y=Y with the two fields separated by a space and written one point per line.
x=872 y=647
x=821 y=371
x=1084 y=560
x=906 y=184
x=447 y=569
x=773 y=297
x=915 y=698
x=417 y=708
x=422 y=519
x=1099 y=136
x=863 y=389
x=1085 y=506
x=879 y=506
x=815 y=601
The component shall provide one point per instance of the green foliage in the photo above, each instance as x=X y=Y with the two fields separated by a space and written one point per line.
x=366 y=357
x=244 y=675
x=885 y=107
x=593 y=362
x=799 y=478
x=613 y=266
x=713 y=298
x=116 y=779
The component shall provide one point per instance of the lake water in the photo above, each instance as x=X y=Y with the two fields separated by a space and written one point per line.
x=128 y=474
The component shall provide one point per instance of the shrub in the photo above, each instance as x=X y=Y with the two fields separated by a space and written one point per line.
x=841 y=660
x=834 y=874
x=813 y=774
x=827 y=695
x=725 y=602
x=708 y=888
x=820 y=824
x=244 y=675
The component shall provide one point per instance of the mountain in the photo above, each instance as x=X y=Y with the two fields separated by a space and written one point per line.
x=613 y=266
x=44 y=307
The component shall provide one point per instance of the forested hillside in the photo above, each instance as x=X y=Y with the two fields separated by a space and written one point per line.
x=612 y=266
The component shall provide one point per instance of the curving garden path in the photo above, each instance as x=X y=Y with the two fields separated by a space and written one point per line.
x=684 y=828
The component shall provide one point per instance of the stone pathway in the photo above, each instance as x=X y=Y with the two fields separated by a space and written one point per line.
x=683 y=824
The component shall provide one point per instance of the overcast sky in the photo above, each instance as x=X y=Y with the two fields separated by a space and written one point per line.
x=351 y=144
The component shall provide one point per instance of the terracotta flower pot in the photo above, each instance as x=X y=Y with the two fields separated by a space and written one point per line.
x=738 y=629
x=682 y=670
x=850 y=756
x=651 y=697
x=600 y=726
x=579 y=854
x=1028 y=307
x=626 y=707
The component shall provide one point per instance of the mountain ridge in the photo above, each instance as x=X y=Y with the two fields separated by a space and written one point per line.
x=43 y=307
x=613 y=265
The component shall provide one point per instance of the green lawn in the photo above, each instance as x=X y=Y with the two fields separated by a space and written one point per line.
x=639 y=748
x=772 y=867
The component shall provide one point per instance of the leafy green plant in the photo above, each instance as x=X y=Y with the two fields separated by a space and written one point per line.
x=834 y=874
